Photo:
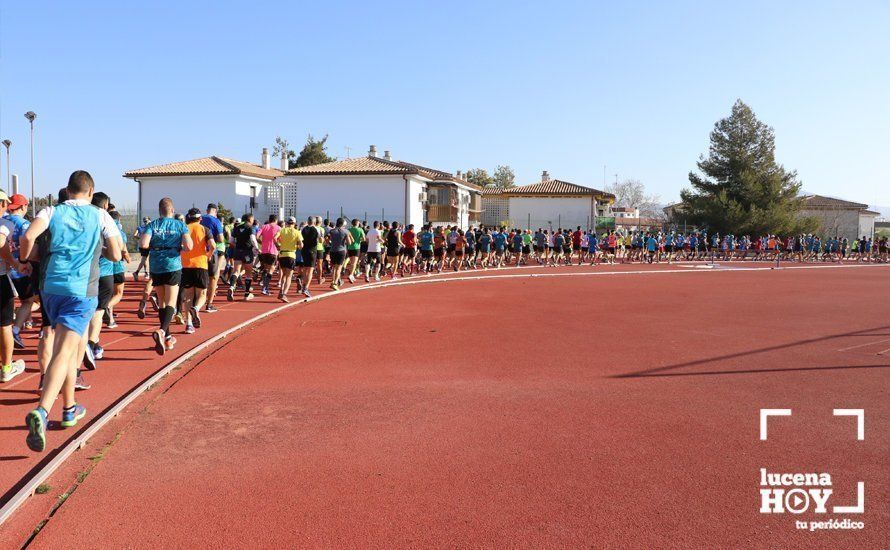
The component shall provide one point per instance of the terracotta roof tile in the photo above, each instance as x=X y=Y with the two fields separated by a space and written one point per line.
x=492 y=191
x=207 y=166
x=556 y=187
x=819 y=201
x=376 y=165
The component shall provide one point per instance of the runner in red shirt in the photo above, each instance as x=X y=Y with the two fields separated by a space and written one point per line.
x=576 y=244
x=409 y=250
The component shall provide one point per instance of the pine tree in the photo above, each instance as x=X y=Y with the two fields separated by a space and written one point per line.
x=740 y=188
x=314 y=152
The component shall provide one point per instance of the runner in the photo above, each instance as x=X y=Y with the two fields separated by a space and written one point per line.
x=195 y=270
x=119 y=270
x=18 y=206
x=393 y=245
x=69 y=293
x=289 y=241
x=339 y=239
x=244 y=249
x=375 y=239
x=94 y=351
x=311 y=237
x=217 y=260
x=9 y=369
x=409 y=250
x=143 y=252
x=166 y=237
x=268 y=251
x=354 y=249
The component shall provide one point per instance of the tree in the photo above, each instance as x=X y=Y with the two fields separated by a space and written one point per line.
x=223 y=213
x=504 y=177
x=740 y=188
x=282 y=148
x=314 y=152
x=479 y=176
x=631 y=193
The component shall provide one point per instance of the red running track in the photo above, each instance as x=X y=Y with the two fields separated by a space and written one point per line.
x=549 y=411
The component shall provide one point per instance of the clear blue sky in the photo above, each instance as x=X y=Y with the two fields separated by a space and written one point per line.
x=561 y=86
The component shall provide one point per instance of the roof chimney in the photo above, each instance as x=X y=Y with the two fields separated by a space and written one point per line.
x=545 y=176
x=372 y=152
x=267 y=160
x=460 y=175
x=284 y=164
x=387 y=155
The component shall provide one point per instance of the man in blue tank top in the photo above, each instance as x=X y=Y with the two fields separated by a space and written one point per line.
x=69 y=292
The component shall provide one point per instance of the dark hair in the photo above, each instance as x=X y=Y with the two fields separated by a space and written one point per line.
x=246 y=217
x=63 y=194
x=80 y=182
x=211 y=206
x=273 y=218
x=115 y=215
x=165 y=206
x=101 y=200
x=340 y=222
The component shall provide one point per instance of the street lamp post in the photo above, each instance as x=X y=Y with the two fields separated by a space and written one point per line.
x=31 y=115
x=8 y=143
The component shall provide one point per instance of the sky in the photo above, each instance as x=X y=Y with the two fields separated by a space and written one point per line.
x=568 y=87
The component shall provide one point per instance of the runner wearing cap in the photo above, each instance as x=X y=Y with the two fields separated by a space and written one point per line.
x=166 y=237
x=8 y=368
x=290 y=242
x=244 y=249
x=195 y=274
x=18 y=205
x=215 y=229
x=69 y=293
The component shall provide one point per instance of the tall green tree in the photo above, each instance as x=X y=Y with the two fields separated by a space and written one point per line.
x=739 y=187
x=479 y=176
x=314 y=152
x=504 y=176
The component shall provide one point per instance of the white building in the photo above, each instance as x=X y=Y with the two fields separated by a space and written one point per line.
x=237 y=185
x=546 y=203
x=376 y=188
x=839 y=217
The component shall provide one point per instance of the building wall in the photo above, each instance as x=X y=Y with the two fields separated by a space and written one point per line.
x=558 y=211
x=840 y=222
x=867 y=225
x=374 y=197
x=496 y=209
x=196 y=191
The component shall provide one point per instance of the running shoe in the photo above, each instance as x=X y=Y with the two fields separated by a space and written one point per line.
x=189 y=329
x=351 y=279
x=196 y=317
x=71 y=415
x=29 y=324
x=154 y=303
x=98 y=351
x=265 y=291
x=335 y=287
x=36 y=422
x=89 y=358
x=170 y=342
x=306 y=292
x=210 y=309
x=248 y=297
x=17 y=338
x=12 y=370
x=230 y=295
x=283 y=298
x=111 y=323
x=178 y=320
x=80 y=383
x=140 y=311
x=158 y=337
x=377 y=278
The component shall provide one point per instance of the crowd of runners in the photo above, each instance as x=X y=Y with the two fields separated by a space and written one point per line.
x=70 y=260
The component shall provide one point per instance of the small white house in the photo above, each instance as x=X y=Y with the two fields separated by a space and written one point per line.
x=237 y=185
x=839 y=217
x=374 y=188
x=547 y=203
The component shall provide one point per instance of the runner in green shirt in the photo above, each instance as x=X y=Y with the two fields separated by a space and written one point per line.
x=352 y=250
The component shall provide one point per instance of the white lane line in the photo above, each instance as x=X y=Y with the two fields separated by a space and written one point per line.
x=866 y=344
x=81 y=440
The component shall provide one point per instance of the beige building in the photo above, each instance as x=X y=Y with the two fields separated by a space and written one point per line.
x=839 y=217
x=549 y=202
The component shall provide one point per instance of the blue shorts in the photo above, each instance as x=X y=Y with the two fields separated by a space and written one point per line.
x=72 y=312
